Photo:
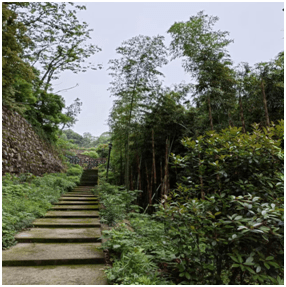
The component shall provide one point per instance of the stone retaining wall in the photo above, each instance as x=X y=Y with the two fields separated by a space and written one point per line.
x=23 y=150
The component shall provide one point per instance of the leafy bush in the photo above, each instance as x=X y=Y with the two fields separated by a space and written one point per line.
x=92 y=154
x=224 y=224
x=92 y=149
x=134 y=268
x=26 y=197
x=137 y=254
x=102 y=150
x=117 y=202
x=75 y=170
x=226 y=217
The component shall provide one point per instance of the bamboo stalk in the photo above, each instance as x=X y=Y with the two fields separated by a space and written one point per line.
x=147 y=179
x=241 y=114
x=131 y=180
x=161 y=174
x=201 y=180
x=154 y=163
x=139 y=173
x=229 y=120
x=265 y=104
x=165 y=182
x=151 y=188
x=210 y=112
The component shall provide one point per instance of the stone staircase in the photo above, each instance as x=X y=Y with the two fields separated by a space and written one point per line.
x=61 y=248
x=89 y=177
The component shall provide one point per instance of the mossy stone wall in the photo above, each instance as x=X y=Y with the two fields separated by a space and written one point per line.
x=23 y=150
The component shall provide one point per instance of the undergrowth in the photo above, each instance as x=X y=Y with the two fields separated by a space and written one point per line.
x=222 y=225
x=27 y=197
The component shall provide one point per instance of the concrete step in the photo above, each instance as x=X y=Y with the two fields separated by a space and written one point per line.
x=66 y=222
x=84 y=187
x=81 y=198
x=66 y=202
x=59 y=235
x=62 y=248
x=79 y=194
x=72 y=214
x=75 y=207
x=91 y=274
x=31 y=254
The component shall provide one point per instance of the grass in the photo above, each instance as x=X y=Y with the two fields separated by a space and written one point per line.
x=27 y=197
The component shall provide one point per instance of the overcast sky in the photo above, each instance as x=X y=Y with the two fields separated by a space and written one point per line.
x=257 y=29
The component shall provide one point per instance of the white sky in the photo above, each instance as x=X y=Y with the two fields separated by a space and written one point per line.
x=257 y=29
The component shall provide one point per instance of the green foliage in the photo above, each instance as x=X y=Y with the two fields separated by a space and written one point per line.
x=206 y=58
x=138 y=254
x=15 y=71
x=134 y=268
x=227 y=214
x=26 y=197
x=75 y=170
x=58 y=39
x=233 y=162
x=102 y=150
x=87 y=140
x=92 y=154
x=223 y=224
x=135 y=84
x=50 y=37
x=117 y=202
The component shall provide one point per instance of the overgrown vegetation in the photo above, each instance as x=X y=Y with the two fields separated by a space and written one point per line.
x=208 y=157
x=92 y=154
x=202 y=162
x=118 y=203
x=27 y=197
x=223 y=224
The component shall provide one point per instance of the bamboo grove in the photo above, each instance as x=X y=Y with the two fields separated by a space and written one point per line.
x=148 y=120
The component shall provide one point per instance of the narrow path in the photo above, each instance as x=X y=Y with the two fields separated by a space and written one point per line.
x=61 y=248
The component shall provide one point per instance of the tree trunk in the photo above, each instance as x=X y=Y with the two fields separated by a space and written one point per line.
x=210 y=113
x=131 y=180
x=154 y=163
x=147 y=179
x=127 y=164
x=151 y=189
x=265 y=104
x=241 y=114
x=201 y=180
x=162 y=184
x=165 y=182
x=139 y=173
x=121 y=167
x=229 y=120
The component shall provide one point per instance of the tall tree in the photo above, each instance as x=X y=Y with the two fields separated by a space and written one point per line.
x=135 y=81
x=206 y=58
x=59 y=41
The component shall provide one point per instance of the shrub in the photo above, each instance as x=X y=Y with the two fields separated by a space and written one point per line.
x=92 y=149
x=117 y=202
x=223 y=224
x=75 y=170
x=92 y=154
x=137 y=254
x=226 y=216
